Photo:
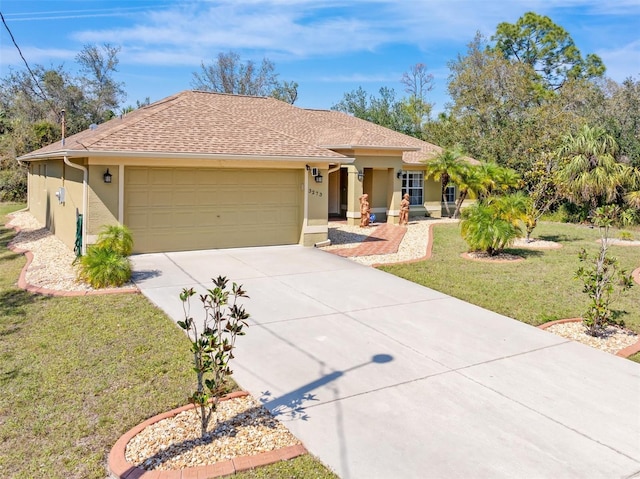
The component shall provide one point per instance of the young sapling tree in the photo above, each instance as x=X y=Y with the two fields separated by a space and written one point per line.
x=602 y=276
x=213 y=341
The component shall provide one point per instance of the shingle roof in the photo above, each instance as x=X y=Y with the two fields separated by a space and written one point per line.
x=219 y=124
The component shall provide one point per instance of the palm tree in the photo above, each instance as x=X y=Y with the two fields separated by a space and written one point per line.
x=589 y=171
x=445 y=167
x=469 y=180
x=497 y=179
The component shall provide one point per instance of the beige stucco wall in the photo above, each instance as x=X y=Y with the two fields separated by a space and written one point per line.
x=45 y=178
x=103 y=199
x=318 y=198
x=432 y=197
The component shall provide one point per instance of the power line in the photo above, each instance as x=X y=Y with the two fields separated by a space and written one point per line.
x=42 y=94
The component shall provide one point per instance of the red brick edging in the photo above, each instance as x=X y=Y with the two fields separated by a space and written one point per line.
x=636 y=275
x=623 y=353
x=119 y=468
x=23 y=284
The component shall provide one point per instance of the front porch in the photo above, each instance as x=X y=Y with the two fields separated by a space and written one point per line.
x=385 y=187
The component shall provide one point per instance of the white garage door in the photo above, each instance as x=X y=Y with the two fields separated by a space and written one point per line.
x=178 y=209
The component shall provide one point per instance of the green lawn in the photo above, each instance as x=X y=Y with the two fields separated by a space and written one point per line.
x=540 y=289
x=76 y=373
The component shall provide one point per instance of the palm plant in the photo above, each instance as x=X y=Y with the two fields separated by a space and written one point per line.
x=102 y=267
x=117 y=238
x=484 y=230
x=106 y=263
x=446 y=166
x=512 y=207
x=589 y=171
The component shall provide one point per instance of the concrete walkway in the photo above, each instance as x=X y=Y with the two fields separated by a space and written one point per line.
x=383 y=378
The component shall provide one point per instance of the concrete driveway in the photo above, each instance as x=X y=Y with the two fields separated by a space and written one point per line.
x=382 y=378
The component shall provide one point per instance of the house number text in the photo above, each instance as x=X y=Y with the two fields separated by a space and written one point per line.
x=315 y=192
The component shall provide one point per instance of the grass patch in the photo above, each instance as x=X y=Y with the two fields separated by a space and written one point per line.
x=76 y=373
x=542 y=288
x=301 y=467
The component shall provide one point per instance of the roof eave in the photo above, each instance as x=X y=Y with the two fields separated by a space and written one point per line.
x=166 y=155
x=370 y=147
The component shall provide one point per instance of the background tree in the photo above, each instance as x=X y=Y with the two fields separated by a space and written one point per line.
x=418 y=83
x=492 y=98
x=407 y=115
x=547 y=48
x=384 y=110
x=618 y=112
x=540 y=185
x=229 y=74
x=103 y=94
x=31 y=102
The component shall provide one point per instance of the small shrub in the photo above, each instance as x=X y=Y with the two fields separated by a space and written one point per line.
x=102 y=267
x=106 y=263
x=13 y=184
x=212 y=345
x=572 y=213
x=625 y=235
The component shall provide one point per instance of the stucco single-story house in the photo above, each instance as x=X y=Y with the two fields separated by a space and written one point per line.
x=202 y=170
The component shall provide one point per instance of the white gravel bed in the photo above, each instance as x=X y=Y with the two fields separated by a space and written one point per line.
x=536 y=243
x=239 y=427
x=413 y=246
x=614 y=340
x=621 y=242
x=52 y=265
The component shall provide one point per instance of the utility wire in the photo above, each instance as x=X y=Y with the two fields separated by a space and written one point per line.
x=42 y=94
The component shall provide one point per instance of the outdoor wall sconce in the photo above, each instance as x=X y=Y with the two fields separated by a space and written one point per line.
x=360 y=175
x=318 y=178
x=107 y=176
x=399 y=174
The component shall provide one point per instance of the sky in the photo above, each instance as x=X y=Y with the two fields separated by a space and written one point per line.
x=329 y=47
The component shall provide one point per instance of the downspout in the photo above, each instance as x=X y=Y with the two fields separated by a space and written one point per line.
x=85 y=175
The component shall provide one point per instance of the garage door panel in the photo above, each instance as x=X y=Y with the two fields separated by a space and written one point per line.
x=139 y=198
x=161 y=176
x=187 y=178
x=207 y=177
x=137 y=176
x=172 y=209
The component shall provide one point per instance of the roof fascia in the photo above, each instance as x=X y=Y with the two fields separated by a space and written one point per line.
x=191 y=156
x=369 y=147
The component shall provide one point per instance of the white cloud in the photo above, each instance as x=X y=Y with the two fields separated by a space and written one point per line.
x=44 y=56
x=622 y=62
x=186 y=33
